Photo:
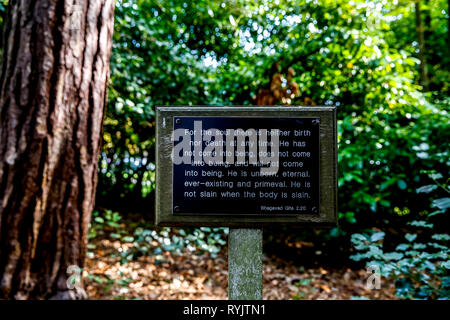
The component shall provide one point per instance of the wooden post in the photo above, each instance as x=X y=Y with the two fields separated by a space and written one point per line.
x=245 y=264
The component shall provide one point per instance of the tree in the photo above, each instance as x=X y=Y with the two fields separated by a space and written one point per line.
x=421 y=38
x=53 y=81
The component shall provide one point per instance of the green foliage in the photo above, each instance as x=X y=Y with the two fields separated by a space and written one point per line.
x=140 y=239
x=152 y=242
x=420 y=269
x=356 y=55
x=158 y=58
x=361 y=56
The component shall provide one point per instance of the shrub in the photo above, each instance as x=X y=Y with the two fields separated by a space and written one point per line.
x=420 y=268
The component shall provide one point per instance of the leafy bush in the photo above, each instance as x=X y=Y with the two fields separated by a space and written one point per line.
x=144 y=240
x=420 y=268
x=153 y=242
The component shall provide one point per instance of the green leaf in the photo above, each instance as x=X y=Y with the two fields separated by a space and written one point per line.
x=410 y=237
x=442 y=203
x=128 y=239
x=435 y=213
x=401 y=184
x=419 y=246
x=377 y=236
x=232 y=21
x=441 y=237
x=99 y=220
x=387 y=183
x=393 y=256
x=427 y=189
x=357 y=237
x=402 y=247
x=436 y=176
x=421 y=223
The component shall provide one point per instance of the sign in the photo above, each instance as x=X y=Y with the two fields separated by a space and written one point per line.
x=246 y=166
x=246 y=176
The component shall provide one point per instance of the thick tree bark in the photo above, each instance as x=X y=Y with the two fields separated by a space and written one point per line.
x=53 y=81
x=424 y=81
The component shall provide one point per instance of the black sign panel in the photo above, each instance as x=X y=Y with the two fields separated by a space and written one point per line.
x=244 y=175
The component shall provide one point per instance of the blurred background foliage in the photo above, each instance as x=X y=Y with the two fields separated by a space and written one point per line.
x=362 y=56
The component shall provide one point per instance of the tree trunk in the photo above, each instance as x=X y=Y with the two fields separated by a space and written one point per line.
x=428 y=32
x=53 y=81
x=421 y=39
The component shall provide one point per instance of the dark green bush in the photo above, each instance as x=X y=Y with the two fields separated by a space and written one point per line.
x=420 y=265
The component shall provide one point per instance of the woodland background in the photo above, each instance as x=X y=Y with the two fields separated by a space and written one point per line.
x=384 y=64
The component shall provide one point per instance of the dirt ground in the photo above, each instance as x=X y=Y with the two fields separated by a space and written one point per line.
x=191 y=276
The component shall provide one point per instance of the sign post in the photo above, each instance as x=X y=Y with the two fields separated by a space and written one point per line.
x=245 y=264
x=246 y=168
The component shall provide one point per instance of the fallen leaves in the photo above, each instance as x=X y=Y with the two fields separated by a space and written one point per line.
x=190 y=276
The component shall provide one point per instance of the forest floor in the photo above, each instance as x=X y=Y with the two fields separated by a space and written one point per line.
x=192 y=276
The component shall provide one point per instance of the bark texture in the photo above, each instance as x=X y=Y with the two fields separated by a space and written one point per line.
x=55 y=70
